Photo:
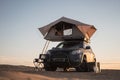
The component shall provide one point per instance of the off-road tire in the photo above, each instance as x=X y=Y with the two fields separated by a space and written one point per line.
x=97 y=67
x=91 y=66
x=83 y=66
x=50 y=68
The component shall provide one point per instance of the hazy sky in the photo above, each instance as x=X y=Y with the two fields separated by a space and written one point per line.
x=21 y=42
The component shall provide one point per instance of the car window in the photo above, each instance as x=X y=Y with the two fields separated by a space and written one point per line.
x=60 y=45
x=70 y=45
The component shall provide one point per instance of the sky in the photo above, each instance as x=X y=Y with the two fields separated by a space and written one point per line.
x=21 y=41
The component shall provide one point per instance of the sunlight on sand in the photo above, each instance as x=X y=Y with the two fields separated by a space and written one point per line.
x=110 y=66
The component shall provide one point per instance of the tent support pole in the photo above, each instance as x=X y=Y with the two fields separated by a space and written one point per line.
x=45 y=46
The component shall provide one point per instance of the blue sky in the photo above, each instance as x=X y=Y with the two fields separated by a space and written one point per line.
x=21 y=42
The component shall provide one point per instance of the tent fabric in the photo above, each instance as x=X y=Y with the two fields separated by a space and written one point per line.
x=86 y=29
x=46 y=28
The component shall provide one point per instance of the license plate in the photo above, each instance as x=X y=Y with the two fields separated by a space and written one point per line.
x=59 y=59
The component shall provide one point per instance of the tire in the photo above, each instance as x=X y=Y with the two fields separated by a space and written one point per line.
x=91 y=66
x=83 y=67
x=50 y=68
x=97 y=67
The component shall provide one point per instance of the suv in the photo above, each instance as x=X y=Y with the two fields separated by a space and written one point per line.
x=70 y=54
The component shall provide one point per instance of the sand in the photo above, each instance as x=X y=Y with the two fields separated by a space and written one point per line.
x=8 y=72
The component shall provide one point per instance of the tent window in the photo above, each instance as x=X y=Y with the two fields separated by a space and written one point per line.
x=67 y=32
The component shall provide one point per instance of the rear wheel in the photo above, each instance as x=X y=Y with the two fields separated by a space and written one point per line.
x=91 y=66
x=97 y=67
x=94 y=67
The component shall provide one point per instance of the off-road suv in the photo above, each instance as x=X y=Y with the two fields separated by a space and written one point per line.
x=70 y=54
x=74 y=50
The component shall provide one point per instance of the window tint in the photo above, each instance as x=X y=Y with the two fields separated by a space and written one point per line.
x=72 y=45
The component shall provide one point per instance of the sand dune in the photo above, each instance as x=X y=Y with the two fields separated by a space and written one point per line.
x=8 y=72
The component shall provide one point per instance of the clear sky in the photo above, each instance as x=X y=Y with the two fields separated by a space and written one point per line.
x=21 y=42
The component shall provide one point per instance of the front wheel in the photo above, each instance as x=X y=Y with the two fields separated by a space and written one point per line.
x=83 y=66
x=50 y=68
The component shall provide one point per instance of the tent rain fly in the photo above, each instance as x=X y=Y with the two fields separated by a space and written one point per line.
x=67 y=29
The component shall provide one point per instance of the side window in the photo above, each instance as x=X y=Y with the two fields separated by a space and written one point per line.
x=60 y=46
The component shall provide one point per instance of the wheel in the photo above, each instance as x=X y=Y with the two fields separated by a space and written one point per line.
x=83 y=67
x=97 y=67
x=91 y=66
x=50 y=68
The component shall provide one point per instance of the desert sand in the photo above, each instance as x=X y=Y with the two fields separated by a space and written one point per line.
x=10 y=72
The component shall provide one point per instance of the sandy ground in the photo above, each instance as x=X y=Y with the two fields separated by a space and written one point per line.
x=8 y=72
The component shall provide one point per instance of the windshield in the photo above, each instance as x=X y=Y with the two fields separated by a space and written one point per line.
x=70 y=45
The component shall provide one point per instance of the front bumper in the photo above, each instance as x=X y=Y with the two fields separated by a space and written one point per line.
x=63 y=58
x=59 y=60
x=63 y=62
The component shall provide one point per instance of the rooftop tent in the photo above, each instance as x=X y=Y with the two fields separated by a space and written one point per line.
x=67 y=29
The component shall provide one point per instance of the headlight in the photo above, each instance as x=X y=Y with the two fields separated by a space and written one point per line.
x=76 y=52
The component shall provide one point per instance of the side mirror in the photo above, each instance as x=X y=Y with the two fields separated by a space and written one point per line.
x=87 y=47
